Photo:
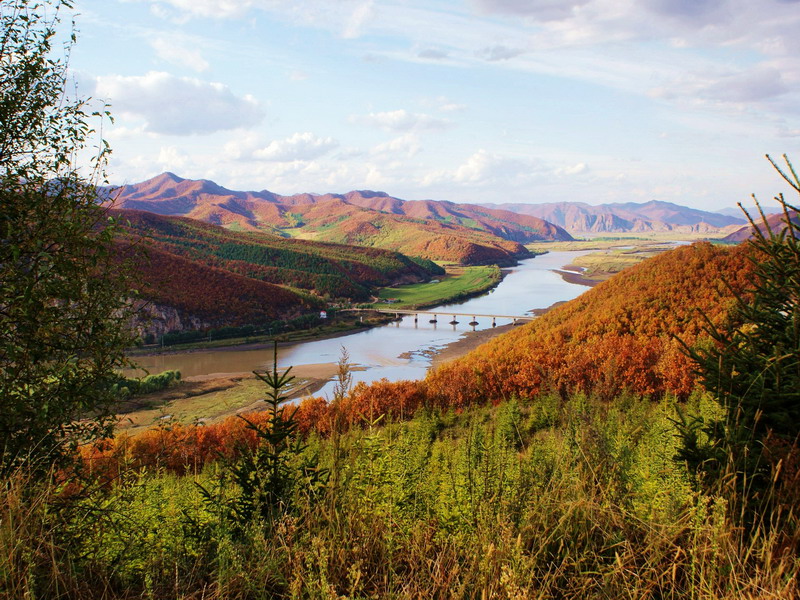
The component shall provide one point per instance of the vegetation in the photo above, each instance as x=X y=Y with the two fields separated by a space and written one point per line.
x=599 y=266
x=620 y=335
x=127 y=387
x=63 y=323
x=459 y=284
x=753 y=367
x=539 y=498
x=327 y=270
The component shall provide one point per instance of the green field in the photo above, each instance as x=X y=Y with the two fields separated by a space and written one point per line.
x=460 y=282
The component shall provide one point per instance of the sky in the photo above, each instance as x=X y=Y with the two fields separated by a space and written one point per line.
x=498 y=101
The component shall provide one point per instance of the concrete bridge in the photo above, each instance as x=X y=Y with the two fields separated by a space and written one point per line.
x=434 y=315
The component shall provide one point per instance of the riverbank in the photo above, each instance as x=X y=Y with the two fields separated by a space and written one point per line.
x=402 y=350
x=215 y=396
x=574 y=274
x=204 y=399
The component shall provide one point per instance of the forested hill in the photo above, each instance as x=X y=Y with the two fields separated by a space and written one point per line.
x=620 y=335
x=438 y=230
x=211 y=272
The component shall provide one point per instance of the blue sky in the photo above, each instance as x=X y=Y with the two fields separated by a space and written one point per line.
x=470 y=101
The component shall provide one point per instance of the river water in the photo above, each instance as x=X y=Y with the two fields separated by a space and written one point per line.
x=400 y=350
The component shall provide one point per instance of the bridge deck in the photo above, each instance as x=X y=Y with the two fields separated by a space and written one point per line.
x=405 y=311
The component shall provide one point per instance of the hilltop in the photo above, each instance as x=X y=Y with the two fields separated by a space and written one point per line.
x=775 y=222
x=437 y=230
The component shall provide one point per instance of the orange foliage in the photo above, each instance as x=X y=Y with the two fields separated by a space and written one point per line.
x=620 y=335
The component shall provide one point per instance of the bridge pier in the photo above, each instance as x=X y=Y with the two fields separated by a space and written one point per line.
x=494 y=321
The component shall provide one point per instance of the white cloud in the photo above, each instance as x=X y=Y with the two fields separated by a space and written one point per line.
x=485 y=168
x=740 y=88
x=362 y=13
x=298 y=147
x=546 y=10
x=432 y=54
x=748 y=86
x=578 y=169
x=401 y=120
x=172 y=159
x=179 y=53
x=178 y=105
x=215 y=9
x=405 y=145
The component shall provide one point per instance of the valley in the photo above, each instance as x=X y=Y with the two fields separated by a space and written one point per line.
x=561 y=385
x=397 y=350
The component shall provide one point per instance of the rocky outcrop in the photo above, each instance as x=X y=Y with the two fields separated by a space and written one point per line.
x=156 y=319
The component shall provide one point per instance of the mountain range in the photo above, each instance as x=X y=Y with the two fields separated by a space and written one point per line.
x=653 y=216
x=437 y=230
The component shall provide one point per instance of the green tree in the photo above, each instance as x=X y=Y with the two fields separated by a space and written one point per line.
x=63 y=321
x=753 y=366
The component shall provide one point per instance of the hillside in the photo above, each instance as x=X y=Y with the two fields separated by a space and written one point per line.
x=437 y=230
x=211 y=275
x=181 y=294
x=775 y=221
x=653 y=216
x=620 y=335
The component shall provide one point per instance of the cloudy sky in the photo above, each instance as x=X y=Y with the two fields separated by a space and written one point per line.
x=463 y=100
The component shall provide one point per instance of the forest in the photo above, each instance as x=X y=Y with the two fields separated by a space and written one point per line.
x=327 y=270
x=579 y=483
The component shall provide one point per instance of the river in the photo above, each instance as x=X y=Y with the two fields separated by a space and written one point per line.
x=402 y=349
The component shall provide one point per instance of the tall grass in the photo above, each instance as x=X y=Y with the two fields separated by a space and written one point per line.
x=546 y=498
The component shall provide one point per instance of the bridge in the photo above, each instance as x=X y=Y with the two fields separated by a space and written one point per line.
x=435 y=315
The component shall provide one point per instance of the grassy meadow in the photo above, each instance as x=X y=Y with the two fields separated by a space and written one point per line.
x=457 y=284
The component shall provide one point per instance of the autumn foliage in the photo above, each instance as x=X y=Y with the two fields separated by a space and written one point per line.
x=179 y=244
x=624 y=334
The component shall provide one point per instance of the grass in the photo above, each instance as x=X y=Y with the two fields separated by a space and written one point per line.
x=546 y=497
x=191 y=402
x=458 y=283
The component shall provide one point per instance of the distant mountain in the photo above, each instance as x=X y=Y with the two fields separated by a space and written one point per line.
x=737 y=212
x=775 y=221
x=437 y=230
x=653 y=216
